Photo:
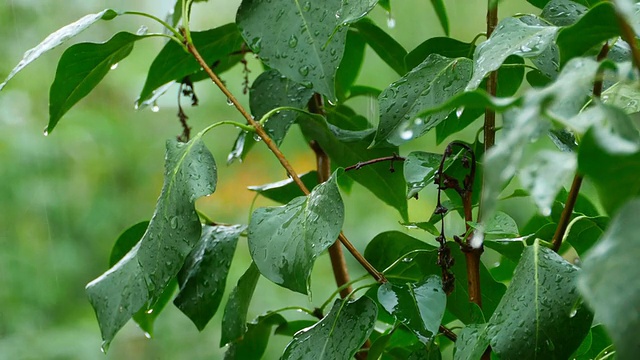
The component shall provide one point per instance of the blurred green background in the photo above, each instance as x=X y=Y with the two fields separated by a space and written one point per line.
x=65 y=198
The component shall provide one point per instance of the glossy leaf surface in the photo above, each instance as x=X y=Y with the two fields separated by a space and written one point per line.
x=429 y=85
x=545 y=175
x=285 y=241
x=420 y=306
x=57 y=38
x=419 y=170
x=203 y=276
x=354 y=10
x=285 y=190
x=234 y=320
x=537 y=318
x=472 y=342
x=296 y=38
x=338 y=335
x=81 y=68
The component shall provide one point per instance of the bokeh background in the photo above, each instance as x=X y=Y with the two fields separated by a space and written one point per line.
x=66 y=197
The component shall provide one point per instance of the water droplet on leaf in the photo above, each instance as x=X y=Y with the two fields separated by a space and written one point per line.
x=114 y=66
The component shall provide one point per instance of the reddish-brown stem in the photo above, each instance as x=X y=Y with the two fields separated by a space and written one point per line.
x=565 y=217
x=274 y=149
x=323 y=166
x=448 y=333
x=630 y=38
x=361 y=164
x=492 y=83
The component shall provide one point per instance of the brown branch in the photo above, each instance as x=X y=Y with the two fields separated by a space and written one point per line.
x=361 y=164
x=323 y=165
x=630 y=38
x=565 y=217
x=492 y=83
x=448 y=333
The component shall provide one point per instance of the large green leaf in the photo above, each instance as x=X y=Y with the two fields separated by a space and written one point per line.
x=419 y=306
x=545 y=175
x=234 y=320
x=537 y=317
x=254 y=342
x=285 y=190
x=583 y=232
x=354 y=10
x=269 y=91
x=350 y=64
x=338 y=335
x=126 y=241
x=563 y=12
x=81 y=68
x=472 y=342
x=144 y=273
x=57 y=38
x=609 y=280
x=387 y=48
x=429 y=85
x=444 y=46
x=593 y=29
x=419 y=170
x=284 y=241
x=346 y=148
x=512 y=37
x=203 y=276
x=296 y=38
x=174 y=63
x=441 y=11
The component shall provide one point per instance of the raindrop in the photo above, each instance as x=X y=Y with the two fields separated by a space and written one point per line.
x=147 y=335
x=256 y=137
x=459 y=111
x=304 y=70
x=104 y=347
x=406 y=134
x=150 y=311
x=46 y=132
x=155 y=108
x=114 y=66
x=418 y=121
x=525 y=48
x=229 y=102
x=391 y=22
x=293 y=41
x=306 y=6
x=255 y=44
x=142 y=30
x=331 y=102
x=174 y=222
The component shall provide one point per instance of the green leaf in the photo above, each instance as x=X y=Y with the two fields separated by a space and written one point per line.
x=594 y=28
x=144 y=273
x=292 y=327
x=501 y=224
x=598 y=341
x=583 y=232
x=419 y=306
x=444 y=46
x=545 y=175
x=511 y=37
x=235 y=312
x=610 y=270
x=563 y=12
x=126 y=241
x=254 y=342
x=174 y=63
x=613 y=164
x=350 y=64
x=338 y=335
x=284 y=241
x=203 y=276
x=296 y=38
x=441 y=11
x=419 y=170
x=57 y=38
x=285 y=190
x=81 y=68
x=348 y=148
x=354 y=10
x=624 y=95
x=427 y=86
x=269 y=91
x=537 y=317
x=387 y=48
x=472 y=342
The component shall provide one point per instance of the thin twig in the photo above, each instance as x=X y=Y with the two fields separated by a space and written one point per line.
x=492 y=83
x=630 y=38
x=565 y=217
x=448 y=333
x=361 y=164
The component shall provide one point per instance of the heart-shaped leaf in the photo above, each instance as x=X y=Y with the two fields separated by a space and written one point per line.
x=299 y=39
x=57 y=38
x=338 y=335
x=284 y=241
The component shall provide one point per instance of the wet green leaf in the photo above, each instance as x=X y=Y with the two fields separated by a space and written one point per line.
x=297 y=39
x=145 y=272
x=387 y=48
x=285 y=190
x=126 y=241
x=427 y=86
x=292 y=327
x=57 y=38
x=419 y=170
x=254 y=342
x=592 y=30
x=444 y=46
x=284 y=241
x=472 y=342
x=203 y=276
x=441 y=11
x=81 y=68
x=512 y=37
x=537 y=317
x=269 y=91
x=348 y=148
x=174 y=63
x=583 y=232
x=420 y=306
x=354 y=10
x=234 y=320
x=624 y=95
x=563 y=12
x=545 y=175
x=609 y=270
x=338 y=335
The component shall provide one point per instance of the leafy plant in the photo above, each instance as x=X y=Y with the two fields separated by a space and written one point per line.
x=563 y=283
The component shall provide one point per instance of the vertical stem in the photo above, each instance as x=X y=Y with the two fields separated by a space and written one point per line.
x=630 y=38
x=492 y=82
x=323 y=164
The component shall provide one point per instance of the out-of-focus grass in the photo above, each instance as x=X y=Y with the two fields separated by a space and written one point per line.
x=66 y=197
